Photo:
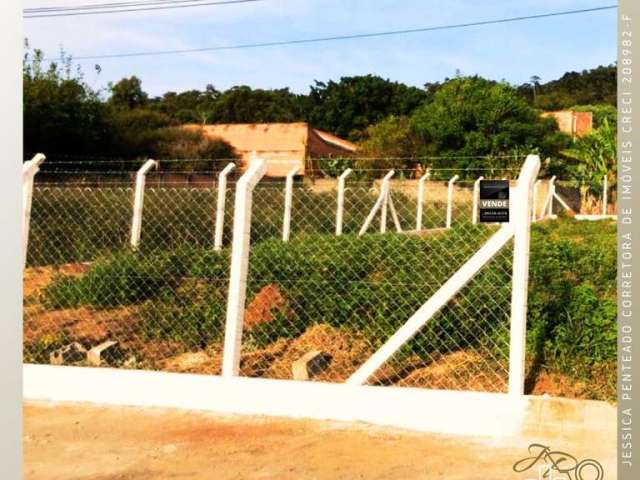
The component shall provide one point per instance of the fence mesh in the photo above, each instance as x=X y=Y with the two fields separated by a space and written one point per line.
x=85 y=285
x=335 y=299
x=588 y=196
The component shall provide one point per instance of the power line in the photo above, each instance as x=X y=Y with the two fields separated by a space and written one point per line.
x=342 y=37
x=104 y=5
x=131 y=7
x=161 y=6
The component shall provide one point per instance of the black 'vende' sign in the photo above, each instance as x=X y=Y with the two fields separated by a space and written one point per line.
x=494 y=201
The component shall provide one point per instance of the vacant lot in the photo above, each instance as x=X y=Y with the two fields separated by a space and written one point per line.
x=109 y=443
x=344 y=296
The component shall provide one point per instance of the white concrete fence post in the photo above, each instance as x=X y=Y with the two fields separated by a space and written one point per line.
x=288 y=202
x=552 y=191
x=521 y=220
x=519 y=228
x=547 y=206
x=605 y=196
x=394 y=214
x=222 y=195
x=383 y=197
x=340 y=209
x=476 y=197
x=29 y=170
x=240 y=247
x=450 y=200
x=138 y=201
x=534 y=206
x=385 y=202
x=420 y=207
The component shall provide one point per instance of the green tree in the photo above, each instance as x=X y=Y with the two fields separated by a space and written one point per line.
x=135 y=131
x=243 y=104
x=471 y=117
x=594 y=86
x=347 y=107
x=61 y=113
x=535 y=83
x=192 y=106
x=180 y=143
x=128 y=93
x=389 y=143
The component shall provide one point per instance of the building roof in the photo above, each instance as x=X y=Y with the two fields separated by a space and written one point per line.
x=340 y=142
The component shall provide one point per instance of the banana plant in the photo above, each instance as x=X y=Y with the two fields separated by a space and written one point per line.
x=594 y=156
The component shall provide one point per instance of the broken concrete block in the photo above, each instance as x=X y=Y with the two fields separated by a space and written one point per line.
x=74 y=352
x=101 y=353
x=310 y=364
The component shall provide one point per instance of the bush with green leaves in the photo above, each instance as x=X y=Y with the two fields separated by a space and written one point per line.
x=593 y=157
x=192 y=315
x=130 y=277
x=572 y=301
x=369 y=284
x=120 y=279
x=471 y=116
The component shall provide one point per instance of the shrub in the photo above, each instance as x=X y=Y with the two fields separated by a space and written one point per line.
x=371 y=283
x=127 y=277
x=180 y=143
x=572 y=301
x=388 y=144
x=134 y=131
x=192 y=316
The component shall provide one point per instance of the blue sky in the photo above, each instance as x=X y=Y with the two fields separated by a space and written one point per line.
x=513 y=52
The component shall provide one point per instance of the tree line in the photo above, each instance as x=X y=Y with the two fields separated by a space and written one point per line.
x=464 y=116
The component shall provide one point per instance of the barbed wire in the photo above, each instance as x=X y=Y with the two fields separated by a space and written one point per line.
x=106 y=160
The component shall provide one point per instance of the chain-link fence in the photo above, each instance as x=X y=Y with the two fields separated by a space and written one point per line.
x=318 y=304
x=334 y=300
x=597 y=196
x=85 y=285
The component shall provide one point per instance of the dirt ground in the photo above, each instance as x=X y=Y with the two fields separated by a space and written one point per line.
x=80 y=442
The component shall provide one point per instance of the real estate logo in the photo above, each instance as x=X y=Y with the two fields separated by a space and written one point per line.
x=494 y=201
x=547 y=464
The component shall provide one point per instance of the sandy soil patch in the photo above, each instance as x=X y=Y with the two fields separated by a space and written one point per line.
x=75 y=442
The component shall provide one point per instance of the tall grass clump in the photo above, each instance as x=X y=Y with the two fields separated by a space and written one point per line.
x=572 y=302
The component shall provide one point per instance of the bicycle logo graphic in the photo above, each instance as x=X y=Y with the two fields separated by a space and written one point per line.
x=556 y=465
